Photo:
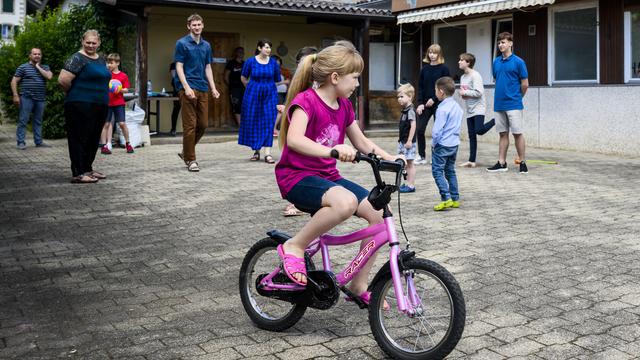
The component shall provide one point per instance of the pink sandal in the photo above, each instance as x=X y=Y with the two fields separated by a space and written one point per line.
x=292 y=264
x=365 y=297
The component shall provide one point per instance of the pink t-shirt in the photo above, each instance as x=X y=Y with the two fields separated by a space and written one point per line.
x=326 y=126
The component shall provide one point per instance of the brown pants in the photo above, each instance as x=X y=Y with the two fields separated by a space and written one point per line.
x=195 y=118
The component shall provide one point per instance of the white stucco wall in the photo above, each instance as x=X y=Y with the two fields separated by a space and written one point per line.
x=602 y=119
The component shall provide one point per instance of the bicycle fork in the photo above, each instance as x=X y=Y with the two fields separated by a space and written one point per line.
x=411 y=301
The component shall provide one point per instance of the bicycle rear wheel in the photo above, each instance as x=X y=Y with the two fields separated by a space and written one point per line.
x=267 y=313
x=437 y=322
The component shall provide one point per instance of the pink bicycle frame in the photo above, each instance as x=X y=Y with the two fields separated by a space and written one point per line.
x=379 y=234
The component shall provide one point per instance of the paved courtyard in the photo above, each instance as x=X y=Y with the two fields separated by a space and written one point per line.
x=144 y=265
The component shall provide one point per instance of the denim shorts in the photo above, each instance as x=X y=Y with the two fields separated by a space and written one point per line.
x=409 y=154
x=116 y=113
x=307 y=194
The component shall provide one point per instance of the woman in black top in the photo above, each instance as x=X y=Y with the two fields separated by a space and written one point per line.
x=85 y=81
x=433 y=69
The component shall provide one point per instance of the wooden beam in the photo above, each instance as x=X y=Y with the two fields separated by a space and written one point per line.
x=142 y=57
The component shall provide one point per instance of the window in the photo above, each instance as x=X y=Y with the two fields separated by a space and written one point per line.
x=382 y=58
x=453 y=40
x=7 y=31
x=575 y=45
x=632 y=45
x=7 y=6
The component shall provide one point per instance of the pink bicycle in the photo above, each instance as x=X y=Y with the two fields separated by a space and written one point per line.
x=427 y=313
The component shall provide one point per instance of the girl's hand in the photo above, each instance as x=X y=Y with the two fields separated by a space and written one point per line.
x=346 y=153
x=408 y=145
x=430 y=103
x=420 y=109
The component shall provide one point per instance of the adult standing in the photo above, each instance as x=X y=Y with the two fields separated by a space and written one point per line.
x=259 y=106
x=32 y=77
x=193 y=66
x=85 y=81
x=512 y=82
x=232 y=73
x=176 y=104
x=433 y=69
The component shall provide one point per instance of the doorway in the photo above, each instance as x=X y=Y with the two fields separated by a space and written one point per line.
x=222 y=45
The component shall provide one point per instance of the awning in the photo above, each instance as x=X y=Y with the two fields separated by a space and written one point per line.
x=466 y=8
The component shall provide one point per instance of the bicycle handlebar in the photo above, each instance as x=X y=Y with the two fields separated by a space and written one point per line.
x=378 y=165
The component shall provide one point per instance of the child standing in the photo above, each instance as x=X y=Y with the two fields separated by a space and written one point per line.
x=116 y=106
x=318 y=118
x=433 y=69
x=445 y=141
x=407 y=134
x=472 y=91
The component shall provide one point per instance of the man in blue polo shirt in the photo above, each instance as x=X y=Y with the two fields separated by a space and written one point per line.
x=512 y=83
x=193 y=60
x=32 y=77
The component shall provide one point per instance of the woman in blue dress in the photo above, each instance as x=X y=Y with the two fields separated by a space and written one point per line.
x=259 y=105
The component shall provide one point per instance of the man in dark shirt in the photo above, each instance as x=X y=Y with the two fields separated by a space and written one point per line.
x=232 y=73
x=32 y=77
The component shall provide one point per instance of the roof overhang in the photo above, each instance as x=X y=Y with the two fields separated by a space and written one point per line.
x=466 y=8
x=325 y=9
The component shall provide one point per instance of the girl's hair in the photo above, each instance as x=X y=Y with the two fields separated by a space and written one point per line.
x=341 y=58
x=262 y=43
x=436 y=49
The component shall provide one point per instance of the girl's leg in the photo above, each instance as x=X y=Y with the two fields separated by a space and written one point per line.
x=338 y=204
x=359 y=282
x=481 y=127
x=411 y=173
x=420 y=132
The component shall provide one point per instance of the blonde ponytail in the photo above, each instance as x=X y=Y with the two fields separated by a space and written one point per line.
x=341 y=58
x=301 y=81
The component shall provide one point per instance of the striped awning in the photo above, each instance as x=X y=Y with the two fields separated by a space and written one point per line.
x=466 y=8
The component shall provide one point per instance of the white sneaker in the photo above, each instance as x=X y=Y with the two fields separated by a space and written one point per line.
x=420 y=161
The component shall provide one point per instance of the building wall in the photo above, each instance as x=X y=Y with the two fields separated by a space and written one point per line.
x=18 y=15
x=602 y=119
x=167 y=24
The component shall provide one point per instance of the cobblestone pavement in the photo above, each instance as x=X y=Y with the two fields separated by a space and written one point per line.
x=144 y=265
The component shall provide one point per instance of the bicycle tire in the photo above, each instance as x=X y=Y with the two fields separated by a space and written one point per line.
x=250 y=301
x=381 y=329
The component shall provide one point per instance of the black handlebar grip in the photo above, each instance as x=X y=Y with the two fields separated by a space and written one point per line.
x=334 y=153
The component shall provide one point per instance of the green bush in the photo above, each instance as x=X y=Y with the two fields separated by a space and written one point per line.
x=58 y=34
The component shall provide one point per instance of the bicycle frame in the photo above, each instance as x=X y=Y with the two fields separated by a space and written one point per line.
x=380 y=235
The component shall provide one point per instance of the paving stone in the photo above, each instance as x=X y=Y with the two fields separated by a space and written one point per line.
x=145 y=264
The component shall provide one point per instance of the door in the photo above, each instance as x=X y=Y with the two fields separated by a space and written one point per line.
x=222 y=44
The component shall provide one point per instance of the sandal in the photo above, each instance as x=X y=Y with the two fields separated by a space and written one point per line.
x=83 y=179
x=365 y=297
x=193 y=166
x=269 y=159
x=291 y=265
x=98 y=175
x=255 y=157
x=292 y=210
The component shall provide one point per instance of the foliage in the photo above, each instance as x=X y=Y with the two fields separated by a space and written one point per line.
x=58 y=35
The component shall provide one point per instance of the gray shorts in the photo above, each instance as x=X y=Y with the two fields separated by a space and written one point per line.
x=510 y=120
x=409 y=154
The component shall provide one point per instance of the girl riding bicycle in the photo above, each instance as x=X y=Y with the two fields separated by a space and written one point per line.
x=319 y=117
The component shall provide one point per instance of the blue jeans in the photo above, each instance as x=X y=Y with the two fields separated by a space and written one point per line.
x=27 y=106
x=443 y=169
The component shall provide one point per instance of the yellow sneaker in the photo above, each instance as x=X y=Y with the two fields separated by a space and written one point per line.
x=455 y=204
x=443 y=205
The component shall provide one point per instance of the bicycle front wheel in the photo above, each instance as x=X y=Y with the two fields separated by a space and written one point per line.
x=267 y=313
x=435 y=322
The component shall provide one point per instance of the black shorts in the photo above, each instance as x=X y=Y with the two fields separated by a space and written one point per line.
x=236 y=95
